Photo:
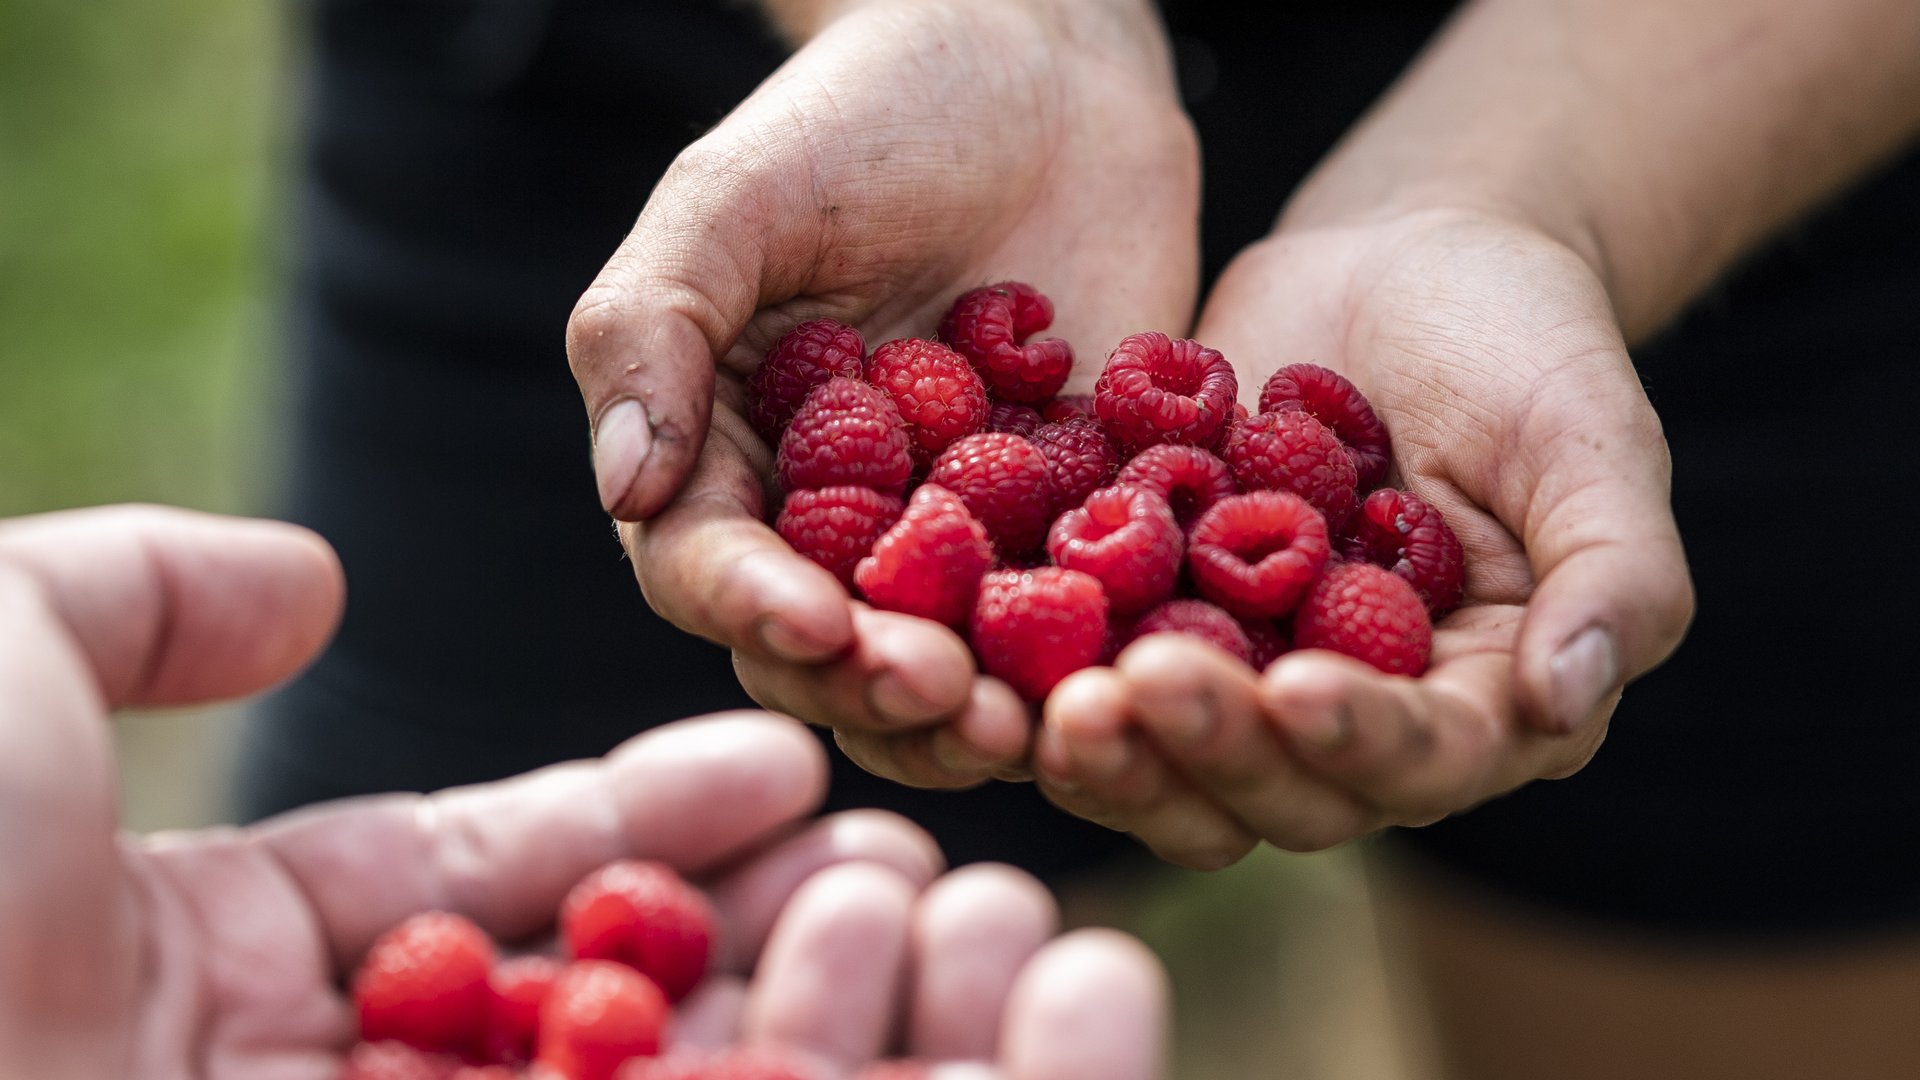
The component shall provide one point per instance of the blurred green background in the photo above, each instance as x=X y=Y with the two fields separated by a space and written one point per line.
x=143 y=149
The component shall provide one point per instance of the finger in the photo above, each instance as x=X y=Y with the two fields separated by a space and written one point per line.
x=709 y=1018
x=1090 y=1006
x=752 y=896
x=835 y=966
x=692 y=794
x=1201 y=708
x=902 y=672
x=710 y=565
x=1093 y=764
x=989 y=739
x=973 y=932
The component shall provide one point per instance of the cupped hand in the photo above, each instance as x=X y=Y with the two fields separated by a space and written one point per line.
x=1493 y=355
x=909 y=152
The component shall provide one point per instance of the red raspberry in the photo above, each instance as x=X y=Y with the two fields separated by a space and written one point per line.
x=1036 y=627
x=390 y=1060
x=1368 y=613
x=846 y=433
x=1004 y=482
x=1334 y=401
x=424 y=983
x=1268 y=640
x=1014 y=419
x=1070 y=407
x=644 y=915
x=517 y=987
x=805 y=357
x=1195 y=618
x=1158 y=390
x=1220 y=441
x=836 y=526
x=1397 y=530
x=1291 y=451
x=1189 y=478
x=598 y=1014
x=1254 y=554
x=1126 y=538
x=929 y=564
x=758 y=1063
x=987 y=327
x=937 y=393
x=1080 y=460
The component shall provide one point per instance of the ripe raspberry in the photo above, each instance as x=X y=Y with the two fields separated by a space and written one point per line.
x=1268 y=640
x=1004 y=482
x=1255 y=554
x=805 y=357
x=516 y=988
x=1333 y=400
x=1158 y=390
x=644 y=915
x=929 y=563
x=836 y=526
x=937 y=393
x=1291 y=451
x=1014 y=419
x=1080 y=461
x=598 y=1014
x=1397 y=530
x=758 y=1063
x=845 y=433
x=987 y=327
x=1368 y=613
x=1187 y=477
x=1127 y=539
x=1036 y=627
x=1070 y=407
x=1195 y=618
x=424 y=983
x=390 y=1060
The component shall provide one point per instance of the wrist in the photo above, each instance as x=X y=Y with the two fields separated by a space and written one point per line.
x=1064 y=21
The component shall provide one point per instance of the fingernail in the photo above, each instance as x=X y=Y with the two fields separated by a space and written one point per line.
x=621 y=442
x=787 y=642
x=1323 y=727
x=1581 y=675
x=953 y=753
x=891 y=697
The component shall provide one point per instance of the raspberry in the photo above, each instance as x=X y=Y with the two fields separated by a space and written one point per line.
x=1036 y=627
x=598 y=1014
x=1080 y=460
x=1255 y=554
x=805 y=357
x=1158 y=390
x=1268 y=640
x=929 y=563
x=1189 y=478
x=836 y=526
x=937 y=393
x=1013 y=418
x=845 y=433
x=988 y=325
x=1332 y=399
x=1398 y=531
x=1004 y=482
x=758 y=1063
x=1367 y=613
x=424 y=983
x=516 y=988
x=1070 y=407
x=389 y=1060
x=1126 y=538
x=1291 y=451
x=644 y=915
x=1195 y=618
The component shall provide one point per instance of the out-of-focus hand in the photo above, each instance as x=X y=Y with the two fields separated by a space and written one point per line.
x=1493 y=355
x=909 y=152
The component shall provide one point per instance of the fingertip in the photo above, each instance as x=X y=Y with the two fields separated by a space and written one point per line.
x=798 y=611
x=890 y=840
x=1093 y=1003
x=994 y=732
x=1306 y=696
x=923 y=670
x=770 y=762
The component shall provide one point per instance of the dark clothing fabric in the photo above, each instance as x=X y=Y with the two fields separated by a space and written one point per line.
x=468 y=167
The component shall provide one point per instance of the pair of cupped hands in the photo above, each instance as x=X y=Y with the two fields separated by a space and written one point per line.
x=909 y=152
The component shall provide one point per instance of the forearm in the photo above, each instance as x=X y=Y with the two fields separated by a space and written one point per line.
x=1135 y=20
x=1660 y=138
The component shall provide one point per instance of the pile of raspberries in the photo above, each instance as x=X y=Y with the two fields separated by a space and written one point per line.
x=437 y=1001
x=952 y=480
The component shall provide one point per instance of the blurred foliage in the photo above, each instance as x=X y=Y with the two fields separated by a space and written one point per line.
x=138 y=141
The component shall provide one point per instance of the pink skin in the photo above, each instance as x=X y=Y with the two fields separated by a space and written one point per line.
x=906 y=154
x=1494 y=357
x=219 y=954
